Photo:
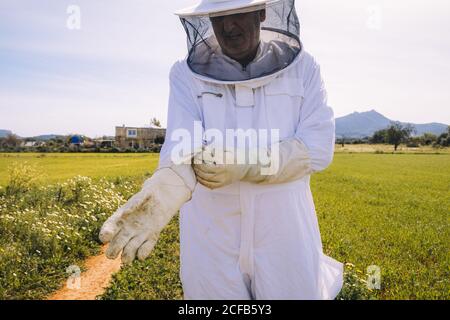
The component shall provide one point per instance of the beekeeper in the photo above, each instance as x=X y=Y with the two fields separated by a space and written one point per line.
x=244 y=233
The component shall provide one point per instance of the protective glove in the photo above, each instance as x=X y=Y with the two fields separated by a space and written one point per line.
x=288 y=161
x=215 y=167
x=135 y=227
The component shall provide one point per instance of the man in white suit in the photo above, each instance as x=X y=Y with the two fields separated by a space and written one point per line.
x=246 y=231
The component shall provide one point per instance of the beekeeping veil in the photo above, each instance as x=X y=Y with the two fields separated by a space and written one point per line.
x=279 y=39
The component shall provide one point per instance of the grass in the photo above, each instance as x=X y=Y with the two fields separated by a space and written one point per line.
x=58 y=167
x=388 y=210
x=46 y=229
x=391 y=211
x=156 y=278
x=385 y=148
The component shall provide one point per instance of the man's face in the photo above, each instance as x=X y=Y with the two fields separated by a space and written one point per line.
x=238 y=34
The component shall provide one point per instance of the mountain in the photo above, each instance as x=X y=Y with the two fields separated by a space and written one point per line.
x=4 y=133
x=434 y=128
x=46 y=137
x=354 y=125
x=364 y=124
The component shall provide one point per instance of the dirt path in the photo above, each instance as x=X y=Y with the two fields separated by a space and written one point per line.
x=97 y=276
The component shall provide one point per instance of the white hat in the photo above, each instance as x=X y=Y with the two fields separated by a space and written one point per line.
x=279 y=40
x=210 y=7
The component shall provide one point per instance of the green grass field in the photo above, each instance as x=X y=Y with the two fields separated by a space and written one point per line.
x=388 y=210
x=391 y=211
x=385 y=148
x=57 y=167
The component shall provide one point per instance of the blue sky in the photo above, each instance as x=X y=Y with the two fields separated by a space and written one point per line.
x=392 y=56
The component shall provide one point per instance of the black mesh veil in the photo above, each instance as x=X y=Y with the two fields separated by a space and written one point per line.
x=279 y=45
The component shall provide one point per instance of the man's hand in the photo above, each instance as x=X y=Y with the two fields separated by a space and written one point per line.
x=285 y=161
x=135 y=227
x=216 y=167
x=217 y=176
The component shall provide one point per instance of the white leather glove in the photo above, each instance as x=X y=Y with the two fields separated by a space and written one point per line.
x=135 y=227
x=288 y=161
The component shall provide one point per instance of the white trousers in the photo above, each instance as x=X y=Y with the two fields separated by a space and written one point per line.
x=247 y=241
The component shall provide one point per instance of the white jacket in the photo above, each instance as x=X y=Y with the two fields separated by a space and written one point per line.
x=251 y=241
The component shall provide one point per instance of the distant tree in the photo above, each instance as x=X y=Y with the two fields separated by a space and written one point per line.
x=159 y=140
x=67 y=139
x=155 y=122
x=52 y=143
x=428 y=139
x=444 y=139
x=397 y=133
x=414 y=142
x=379 y=136
x=12 y=140
x=61 y=140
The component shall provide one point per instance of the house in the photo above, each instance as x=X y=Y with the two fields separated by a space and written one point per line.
x=28 y=144
x=104 y=143
x=88 y=143
x=139 y=138
x=31 y=144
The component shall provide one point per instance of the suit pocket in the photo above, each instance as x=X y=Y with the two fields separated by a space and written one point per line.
x=213 y=103
x=283 y=102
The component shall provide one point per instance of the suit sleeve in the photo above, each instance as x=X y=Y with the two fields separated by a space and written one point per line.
x=316 y=128
x=183 y=114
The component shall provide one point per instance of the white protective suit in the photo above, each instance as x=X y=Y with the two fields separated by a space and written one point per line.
x=244 y=234
x=249 y=240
